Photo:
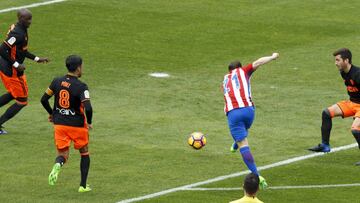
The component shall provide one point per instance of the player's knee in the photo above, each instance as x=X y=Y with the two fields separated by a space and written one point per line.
x=64 y=152
x=84 y=151
x=326 y=114
x=242 y=142
x=355 y=130
x=22 y=101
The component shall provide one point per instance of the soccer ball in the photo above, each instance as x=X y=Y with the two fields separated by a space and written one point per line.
x=197 y=140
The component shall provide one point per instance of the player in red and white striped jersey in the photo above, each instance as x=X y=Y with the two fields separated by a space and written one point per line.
x=239 y=107
x=237 y=92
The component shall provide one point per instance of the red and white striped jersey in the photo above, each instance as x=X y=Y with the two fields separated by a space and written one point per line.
x=237 y=90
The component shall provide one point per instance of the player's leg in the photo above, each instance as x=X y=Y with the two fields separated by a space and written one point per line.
x=247 y=155
x=5 y=98
x=355 y=130
x=247 y=118
x=62 y=156
x=247 y=121
x=17 y=87
x=11 y=112
x=62 y=142
x=239 y=121
x=250 y=162
x=13 y=109
x=326 y=126
x=60 y=160
x=80 y=136
x=234 y=147
x=84 y=169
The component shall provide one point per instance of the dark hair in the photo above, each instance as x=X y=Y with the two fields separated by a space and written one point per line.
x=251 y=183
x=234 y=64
x=344 y=53
x=73 y=62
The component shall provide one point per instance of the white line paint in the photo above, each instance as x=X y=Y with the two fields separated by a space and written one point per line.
x=31 y=5
x=220 y=178
x=159 y=75
x=280 y=187
x=215 y=189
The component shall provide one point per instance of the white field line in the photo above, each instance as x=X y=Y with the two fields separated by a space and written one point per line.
x=220 y=178
x=31 y=5
x=280 y=187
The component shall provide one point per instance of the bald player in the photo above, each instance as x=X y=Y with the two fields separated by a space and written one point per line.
x=13 y=52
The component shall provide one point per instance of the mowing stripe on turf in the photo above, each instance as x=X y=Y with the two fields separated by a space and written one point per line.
x=31 y=5
x=220 y=178
x=279 y=187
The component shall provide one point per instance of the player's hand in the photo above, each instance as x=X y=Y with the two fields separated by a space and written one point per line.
x=43 y=60
x=50 y=118
x=90 y=126
x=21 y=67
x=275 y=55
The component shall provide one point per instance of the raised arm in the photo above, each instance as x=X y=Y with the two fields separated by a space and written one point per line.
x=264 y=60
x=35 y=58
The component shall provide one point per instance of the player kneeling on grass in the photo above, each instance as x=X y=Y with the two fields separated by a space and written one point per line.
x=71 y=96
x=346 y=108
x=251 y=187
x=240 y=109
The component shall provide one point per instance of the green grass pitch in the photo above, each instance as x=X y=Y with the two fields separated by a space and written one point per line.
x=141 y=124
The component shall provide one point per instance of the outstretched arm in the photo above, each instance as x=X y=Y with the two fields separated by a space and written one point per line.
x=35 y=58
x=264 y=60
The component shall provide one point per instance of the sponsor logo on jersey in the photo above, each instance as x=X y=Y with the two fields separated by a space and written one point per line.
x=66 y=112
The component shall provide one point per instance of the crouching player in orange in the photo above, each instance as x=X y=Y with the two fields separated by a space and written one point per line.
x=70 y=124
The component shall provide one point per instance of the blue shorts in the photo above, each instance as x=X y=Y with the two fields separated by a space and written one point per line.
x=240 y=121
